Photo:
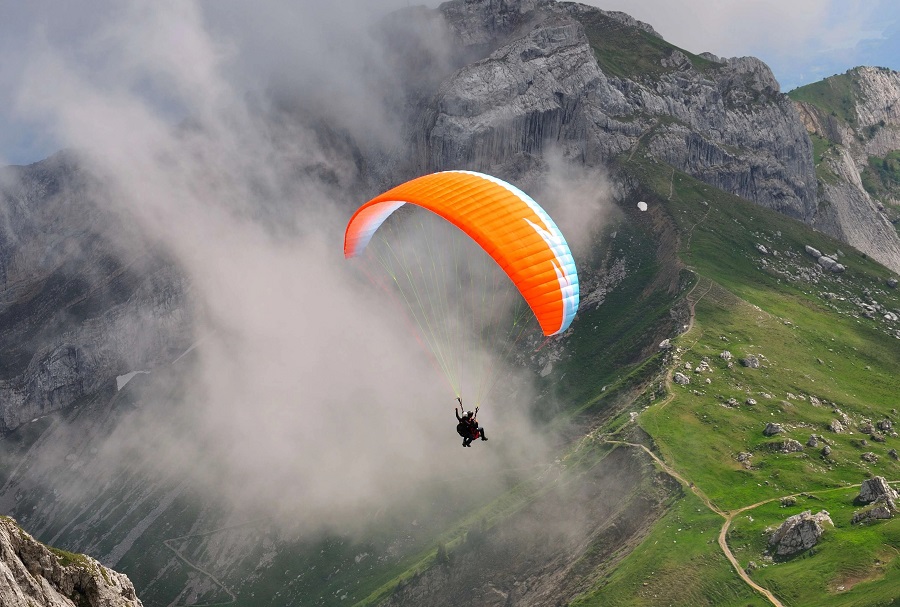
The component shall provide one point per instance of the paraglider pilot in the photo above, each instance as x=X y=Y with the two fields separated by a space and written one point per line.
x=467 y=425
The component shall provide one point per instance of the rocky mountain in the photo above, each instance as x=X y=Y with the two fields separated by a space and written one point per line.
x=530 y=83
x=78 y=307
x=33 y=575
x=854 y=119
x=556 y=77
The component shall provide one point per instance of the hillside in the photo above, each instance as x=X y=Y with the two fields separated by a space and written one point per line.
x=854 y=122
x=822 y=358
x=190 y=392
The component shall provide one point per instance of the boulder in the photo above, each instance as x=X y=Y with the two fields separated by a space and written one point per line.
x=762 y=249
x=799 y=532
x=826 y=262
x=874 y=488
x=881 y=509
x=772 y=429
x=681 y=379
x=814 y=252
x=750 y=361
x=787 y=446
x=892 y=283
x=836 y=426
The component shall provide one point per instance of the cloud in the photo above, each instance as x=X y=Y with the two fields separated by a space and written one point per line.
x=307 y=389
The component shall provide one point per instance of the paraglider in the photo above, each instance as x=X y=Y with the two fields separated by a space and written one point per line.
x=467 y=425
x=507 y=225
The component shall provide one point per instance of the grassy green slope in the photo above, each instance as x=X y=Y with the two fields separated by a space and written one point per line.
x=835 y=95
x=817 y=354
x=628 y=52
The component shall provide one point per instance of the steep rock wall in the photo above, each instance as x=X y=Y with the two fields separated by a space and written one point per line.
x=82 y=297
x=846 y=210
x=723 y=121
x=31 y=575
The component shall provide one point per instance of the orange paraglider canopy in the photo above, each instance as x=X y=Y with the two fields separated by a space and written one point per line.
x=511 y=227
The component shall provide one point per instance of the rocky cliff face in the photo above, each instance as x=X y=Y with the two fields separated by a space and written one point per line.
x=551 y=79
x=856 y=117
x=77 y=306
x=32 y=575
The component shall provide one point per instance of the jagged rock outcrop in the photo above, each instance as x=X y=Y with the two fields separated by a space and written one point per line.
x=772 y=429
x=868 y=125
x=875 y=488
x=798 y=533
x=32 y=575
x=84 y=298
x=880 y=499
x=723 y=121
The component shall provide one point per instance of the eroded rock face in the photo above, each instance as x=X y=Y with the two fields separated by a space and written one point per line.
x=874 y=488
x=31 y=575
x=846 y=210
x=799 y=532
x=540 y=85
x=881 y=499
x=80 y=306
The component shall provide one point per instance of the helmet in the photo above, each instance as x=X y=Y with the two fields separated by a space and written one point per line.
x=469 y=414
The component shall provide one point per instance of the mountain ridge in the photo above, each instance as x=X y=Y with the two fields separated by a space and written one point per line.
x=682 y=132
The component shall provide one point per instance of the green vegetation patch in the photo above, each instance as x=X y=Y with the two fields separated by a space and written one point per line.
x=679 y=563
x=851 y=564
x=628 y=52
x=881 y=176
x=835 y=95
x=67 y=559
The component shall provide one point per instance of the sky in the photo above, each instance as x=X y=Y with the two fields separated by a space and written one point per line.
x=803 y=41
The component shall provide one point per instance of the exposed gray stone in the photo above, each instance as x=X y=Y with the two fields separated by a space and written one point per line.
x=883 y=508
x=873 y=488
x=772 y=429
x=799 y=532
x=750 y=361
x=31 y=576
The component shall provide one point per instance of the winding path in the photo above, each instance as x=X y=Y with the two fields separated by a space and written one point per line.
x=729 y=516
